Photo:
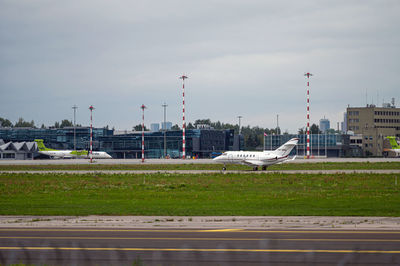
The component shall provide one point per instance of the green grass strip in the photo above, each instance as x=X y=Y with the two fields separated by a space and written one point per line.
x=286 y=166
x=201 y=194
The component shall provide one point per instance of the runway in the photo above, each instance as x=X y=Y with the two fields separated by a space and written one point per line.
x=380 y=171
x=94 y=246
x=180 y=161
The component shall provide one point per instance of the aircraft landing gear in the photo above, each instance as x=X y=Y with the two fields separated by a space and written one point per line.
x=255 y=168
x=264 y=168
x=224 y=168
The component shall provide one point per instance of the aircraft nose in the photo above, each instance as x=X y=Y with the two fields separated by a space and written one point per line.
x=216 y=158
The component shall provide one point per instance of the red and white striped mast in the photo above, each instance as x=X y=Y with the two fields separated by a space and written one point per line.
x=308 y=75
x=183 y=77
x=143 y=107
x=91 y=133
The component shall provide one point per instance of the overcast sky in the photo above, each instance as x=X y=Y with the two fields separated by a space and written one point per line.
x=243 y=58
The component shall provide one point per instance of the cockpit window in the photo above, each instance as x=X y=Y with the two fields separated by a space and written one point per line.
x=225 y=153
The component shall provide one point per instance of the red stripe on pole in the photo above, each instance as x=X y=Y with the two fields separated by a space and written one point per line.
x=183 y=77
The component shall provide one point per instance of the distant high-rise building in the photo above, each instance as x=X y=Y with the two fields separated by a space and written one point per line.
x=324 y=125
x=166 y=125
x=155 y=127
x=344 y=123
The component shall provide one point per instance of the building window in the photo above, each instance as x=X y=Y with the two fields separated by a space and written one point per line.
x=8 y=155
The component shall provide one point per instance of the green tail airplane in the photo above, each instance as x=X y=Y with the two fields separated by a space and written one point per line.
x=52 y=153
x=395 y=146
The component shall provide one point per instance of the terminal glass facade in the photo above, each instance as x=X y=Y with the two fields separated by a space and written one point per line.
x=199 y=142
x=330 y=145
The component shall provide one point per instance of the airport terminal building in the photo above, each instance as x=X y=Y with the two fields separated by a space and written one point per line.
x=17 y=150
x=200 y=143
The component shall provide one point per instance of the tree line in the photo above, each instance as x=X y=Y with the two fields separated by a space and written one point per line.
x=22 y=123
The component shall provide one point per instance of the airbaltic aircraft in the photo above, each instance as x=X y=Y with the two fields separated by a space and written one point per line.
x=258 y=158
x=395 y=146
x=68 y=153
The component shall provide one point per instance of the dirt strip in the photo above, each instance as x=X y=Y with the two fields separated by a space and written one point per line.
x=182 y=222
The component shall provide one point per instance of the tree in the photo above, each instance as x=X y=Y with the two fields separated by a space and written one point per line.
x=314 y=129
x=22 y=123
x=202 y=122
x=332 y=131
x=301 y=131
x=57 y=124
x=175 y=127
x=66 y=123
x=190 y=126
x=5 y=122
x=139 y=128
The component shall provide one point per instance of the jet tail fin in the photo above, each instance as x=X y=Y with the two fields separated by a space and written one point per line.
x=286 y=148
x=41 y=146
x=393 y=142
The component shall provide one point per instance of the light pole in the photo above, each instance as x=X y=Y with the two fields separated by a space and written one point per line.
x=74 y=107
x=143 y=107
x=165 y=129
x=91 y=133
x=183 y=77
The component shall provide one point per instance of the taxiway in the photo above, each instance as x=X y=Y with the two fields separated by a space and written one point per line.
x=105 y=246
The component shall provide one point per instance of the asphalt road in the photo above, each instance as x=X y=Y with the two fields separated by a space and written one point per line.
x=94 y=246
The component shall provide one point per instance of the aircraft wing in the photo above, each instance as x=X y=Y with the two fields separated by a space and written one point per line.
x=253 y=162
x=287 y=160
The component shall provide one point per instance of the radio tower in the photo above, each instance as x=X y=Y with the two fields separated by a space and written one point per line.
x=91 y=133
x=143 y=107
x=183 y=77
x=308 y=75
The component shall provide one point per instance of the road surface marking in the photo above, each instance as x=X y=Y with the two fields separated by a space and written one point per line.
x=208 y=250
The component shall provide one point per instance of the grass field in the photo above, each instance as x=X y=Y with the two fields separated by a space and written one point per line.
x=200 y=194
x=286 y=166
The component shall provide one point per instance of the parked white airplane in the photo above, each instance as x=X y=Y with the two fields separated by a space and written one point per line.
x=258 y=158
x=68 y=153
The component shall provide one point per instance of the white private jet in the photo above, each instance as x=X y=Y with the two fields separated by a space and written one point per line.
x=64 y=154
x=258 y=158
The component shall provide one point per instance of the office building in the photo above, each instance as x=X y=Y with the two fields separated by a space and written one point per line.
x=166 y=125
x=374 y=124
x=154 y=127
x=344 y=123
x=324 y=125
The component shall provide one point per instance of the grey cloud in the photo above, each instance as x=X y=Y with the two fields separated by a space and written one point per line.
x=242 y=57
